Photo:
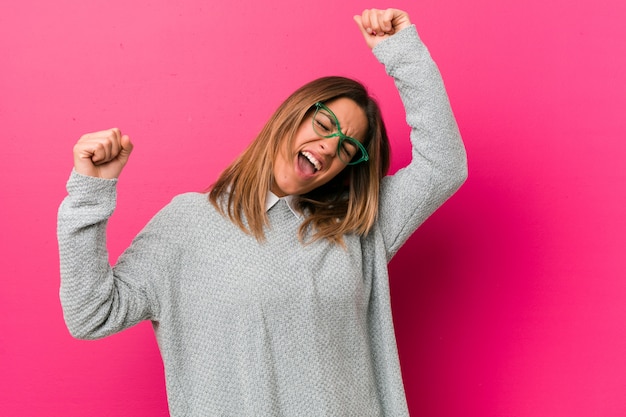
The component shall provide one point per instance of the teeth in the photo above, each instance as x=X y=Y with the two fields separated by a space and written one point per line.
x=313 y=161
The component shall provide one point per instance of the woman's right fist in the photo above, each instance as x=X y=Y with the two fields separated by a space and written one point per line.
x=102 y=154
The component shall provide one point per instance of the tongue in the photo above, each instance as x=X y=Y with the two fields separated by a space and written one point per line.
x=305 y=165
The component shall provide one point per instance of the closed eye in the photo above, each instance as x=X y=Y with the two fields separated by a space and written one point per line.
x=348 y=149
x=323 y=127
x=324 y=123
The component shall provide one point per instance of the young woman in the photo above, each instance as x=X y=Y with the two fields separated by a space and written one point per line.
x=270 y=295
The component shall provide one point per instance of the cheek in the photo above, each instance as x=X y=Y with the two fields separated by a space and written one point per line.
x=336 y=169
x=279 y=167
x=304 y=134
x=283 y=164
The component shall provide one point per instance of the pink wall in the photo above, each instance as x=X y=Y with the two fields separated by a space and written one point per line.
x=509 y=301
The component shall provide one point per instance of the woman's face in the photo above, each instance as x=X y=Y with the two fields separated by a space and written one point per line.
x=312 y=161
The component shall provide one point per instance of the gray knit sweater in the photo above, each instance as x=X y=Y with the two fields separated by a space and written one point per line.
x=273 y=328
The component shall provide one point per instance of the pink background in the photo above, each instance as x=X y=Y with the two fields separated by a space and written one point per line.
x=509 y=301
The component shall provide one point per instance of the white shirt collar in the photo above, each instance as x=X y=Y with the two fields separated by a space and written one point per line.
x=272 y=199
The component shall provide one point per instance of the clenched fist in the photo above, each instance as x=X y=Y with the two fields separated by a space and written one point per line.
x=377 y=25
x=102 y=154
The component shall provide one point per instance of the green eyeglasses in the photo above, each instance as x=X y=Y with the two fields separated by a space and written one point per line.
x=326 y=125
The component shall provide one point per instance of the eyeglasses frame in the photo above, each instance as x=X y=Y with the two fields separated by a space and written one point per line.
x=321 y=106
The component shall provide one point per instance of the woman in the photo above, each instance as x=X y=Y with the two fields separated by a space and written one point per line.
x=271 y=295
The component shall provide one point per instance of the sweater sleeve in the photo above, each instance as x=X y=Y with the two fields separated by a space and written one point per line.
x=97 y=301
x=438 y=166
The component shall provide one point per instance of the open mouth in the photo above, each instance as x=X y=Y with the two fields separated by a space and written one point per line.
x=308 y=163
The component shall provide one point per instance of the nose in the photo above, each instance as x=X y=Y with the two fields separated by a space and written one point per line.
x=328 y=146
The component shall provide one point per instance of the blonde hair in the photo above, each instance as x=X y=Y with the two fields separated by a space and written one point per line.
x=346 y=204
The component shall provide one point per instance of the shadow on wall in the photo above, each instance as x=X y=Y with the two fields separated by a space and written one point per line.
x=462 y=288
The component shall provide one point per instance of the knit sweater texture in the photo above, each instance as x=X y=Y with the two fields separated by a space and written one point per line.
x=272 y=328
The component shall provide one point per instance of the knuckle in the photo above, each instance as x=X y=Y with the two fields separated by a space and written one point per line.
x=84 y=137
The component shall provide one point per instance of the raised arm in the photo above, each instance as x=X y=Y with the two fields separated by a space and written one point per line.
x=438 y=166
x=95 y=301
